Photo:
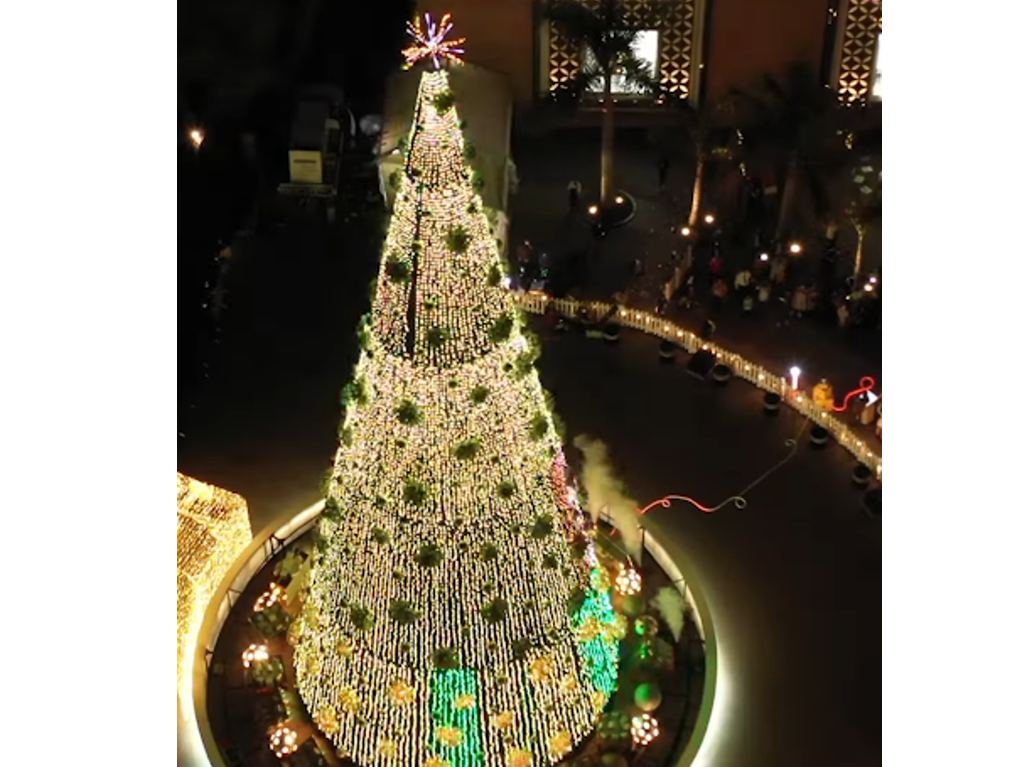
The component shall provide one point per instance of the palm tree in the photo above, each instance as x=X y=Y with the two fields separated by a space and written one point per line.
x=603 y=34
x=797 y=125
x=698 y=123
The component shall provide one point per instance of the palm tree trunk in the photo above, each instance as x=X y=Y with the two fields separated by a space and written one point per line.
x=607 y=144
x=788 y=196
x=858 y=258
x=698 y=190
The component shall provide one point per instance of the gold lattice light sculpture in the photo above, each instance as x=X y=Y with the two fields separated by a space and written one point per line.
x=437 y=629
x=213 y=529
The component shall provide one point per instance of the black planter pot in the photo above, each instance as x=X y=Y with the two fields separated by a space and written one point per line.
x=667 y=351
x=617 y=213
x=611 y=332
x=862 y=475
x=819 y=436
x=772 y=403
x=721 y=374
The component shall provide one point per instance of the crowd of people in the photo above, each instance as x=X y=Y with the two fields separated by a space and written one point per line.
x=701 y=279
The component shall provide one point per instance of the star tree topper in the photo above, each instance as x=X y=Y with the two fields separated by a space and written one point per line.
x=430 y=41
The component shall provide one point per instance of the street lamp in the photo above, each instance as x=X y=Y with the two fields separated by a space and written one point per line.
x=796 y=248
x=592 y=210
x=685 y=231
x=794 y=374
x=709 y=218
x=196 y=136
x=763 y=256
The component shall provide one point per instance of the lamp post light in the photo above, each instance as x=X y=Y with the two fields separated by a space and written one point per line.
x=794 y=377
x=686 y=231
x=196 y=136
x=796 y=248
x=763 y=257
x=592 y=210
x=709 y=218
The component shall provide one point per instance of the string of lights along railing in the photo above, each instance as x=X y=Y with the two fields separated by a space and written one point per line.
x=760 y=376
x=436 y=630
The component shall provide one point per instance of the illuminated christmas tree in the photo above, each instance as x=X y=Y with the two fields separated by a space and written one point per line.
x=456 y=612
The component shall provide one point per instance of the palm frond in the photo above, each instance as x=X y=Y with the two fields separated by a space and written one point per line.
x=637 y=73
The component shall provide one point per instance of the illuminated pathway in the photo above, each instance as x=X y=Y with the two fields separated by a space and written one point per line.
x=793 y=580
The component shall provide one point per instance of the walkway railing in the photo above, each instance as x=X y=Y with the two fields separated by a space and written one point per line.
x=539 y=303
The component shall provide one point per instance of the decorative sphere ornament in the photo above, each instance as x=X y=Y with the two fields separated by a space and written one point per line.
x=644 y=729
x=647 y=697
x=646 y=626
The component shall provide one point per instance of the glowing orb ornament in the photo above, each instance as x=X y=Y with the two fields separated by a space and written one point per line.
x=644 y=729
x=430 y=43
x=628 y=581
x=402 y=692
x=284 y=741
x=647 y=697
x=254 y=653
x=269 y=598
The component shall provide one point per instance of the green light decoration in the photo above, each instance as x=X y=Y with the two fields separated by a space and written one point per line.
x=447 y=686
x=600 y=654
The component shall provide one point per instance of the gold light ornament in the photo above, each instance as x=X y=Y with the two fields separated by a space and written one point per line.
x=284 y=741
x=254 y=653
x=644 y=729
x=628 y=581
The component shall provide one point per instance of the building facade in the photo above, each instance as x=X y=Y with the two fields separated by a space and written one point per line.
x=700 y=49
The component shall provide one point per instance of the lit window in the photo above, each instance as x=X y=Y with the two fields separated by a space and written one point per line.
x=876 y=86
x=645 y=46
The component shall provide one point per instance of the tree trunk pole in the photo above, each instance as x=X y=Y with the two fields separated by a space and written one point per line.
x=698 y=191
x=607 y=144
x=788 y=196
x=858 y=259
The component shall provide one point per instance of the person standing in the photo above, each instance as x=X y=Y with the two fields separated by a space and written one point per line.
x=663 y=166
x=575 y=193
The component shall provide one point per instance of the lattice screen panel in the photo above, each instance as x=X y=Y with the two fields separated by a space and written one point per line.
x=674 y=20
x=857 y=55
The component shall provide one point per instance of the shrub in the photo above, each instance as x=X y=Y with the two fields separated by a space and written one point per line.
x=467 y=450
x=479 y=394
x=446 y=658
x=415 y=492
x=402 y=612
x=444 y=101
x=457 y=239
x=436 y=336
x=429 y=555
x=506 y=489
x=364 y=331
x=354 y=392
x=493 y=275
x=408 y=412
x=332 y=510
x=520 y=647
x=538 y=426
x=502 y=328
x=398 y=269
x=495 y=611
x=550 y=561
x=394 y=178
x=361 y=617
x=542 y=526
x=488 y=552
x=478 y=182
